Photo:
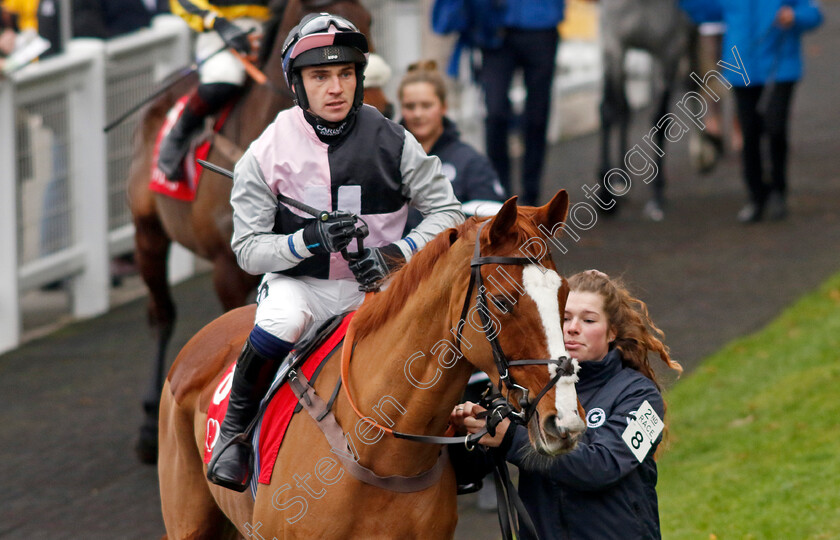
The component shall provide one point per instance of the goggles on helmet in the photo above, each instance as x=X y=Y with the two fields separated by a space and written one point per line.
x=341 y=40
x=322 y=39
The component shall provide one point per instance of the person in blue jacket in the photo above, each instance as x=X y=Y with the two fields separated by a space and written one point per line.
x=606 y=487
x=422 y=97
x=527 y=40
x=767 y=35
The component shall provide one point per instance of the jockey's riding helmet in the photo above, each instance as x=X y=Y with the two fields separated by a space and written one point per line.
x=321 y=39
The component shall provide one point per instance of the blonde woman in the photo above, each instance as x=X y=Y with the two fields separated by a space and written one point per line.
x=422 y=97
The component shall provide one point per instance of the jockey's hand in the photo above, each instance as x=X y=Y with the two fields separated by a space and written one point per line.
x=375 y=264
x=331 y=235
x=463 y=418
x=233 y=36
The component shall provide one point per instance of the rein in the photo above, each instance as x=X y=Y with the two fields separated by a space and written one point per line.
x=346 y=356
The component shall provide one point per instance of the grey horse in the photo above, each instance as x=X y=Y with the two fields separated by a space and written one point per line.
x=662 y=29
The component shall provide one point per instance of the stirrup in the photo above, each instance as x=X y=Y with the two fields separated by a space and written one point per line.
x=240 y=439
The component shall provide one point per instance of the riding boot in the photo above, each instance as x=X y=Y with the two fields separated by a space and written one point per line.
x=230 y=465
x=207 y=99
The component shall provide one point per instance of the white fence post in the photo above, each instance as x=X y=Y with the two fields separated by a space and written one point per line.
x=10 y=323
x=88 y=180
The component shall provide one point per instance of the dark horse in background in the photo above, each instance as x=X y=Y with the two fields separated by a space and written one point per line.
x=662 y=29
x=205 y=226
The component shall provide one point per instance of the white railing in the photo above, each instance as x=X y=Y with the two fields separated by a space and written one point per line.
x=62 y=209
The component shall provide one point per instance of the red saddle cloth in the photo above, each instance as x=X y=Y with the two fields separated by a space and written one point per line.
x=183 y=190
x=277 y=415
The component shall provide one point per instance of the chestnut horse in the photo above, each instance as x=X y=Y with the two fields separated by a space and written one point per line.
x=397 y=338
x=205 y=225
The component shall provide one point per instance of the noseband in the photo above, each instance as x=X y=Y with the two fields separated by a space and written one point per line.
x=564 y=365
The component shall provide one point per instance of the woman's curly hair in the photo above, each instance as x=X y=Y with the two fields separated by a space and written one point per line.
x=636 y=335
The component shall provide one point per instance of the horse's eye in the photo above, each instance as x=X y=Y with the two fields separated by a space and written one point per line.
x=502 y=303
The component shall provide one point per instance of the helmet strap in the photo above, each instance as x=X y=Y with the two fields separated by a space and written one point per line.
x=299 y=91
x=359 y=96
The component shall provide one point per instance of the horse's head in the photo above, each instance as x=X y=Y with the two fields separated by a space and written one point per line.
x=512 y=322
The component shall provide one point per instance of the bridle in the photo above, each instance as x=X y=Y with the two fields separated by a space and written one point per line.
x=499 y=407
x=564 y=365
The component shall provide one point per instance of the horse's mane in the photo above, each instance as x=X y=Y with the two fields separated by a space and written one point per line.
x=384 y=305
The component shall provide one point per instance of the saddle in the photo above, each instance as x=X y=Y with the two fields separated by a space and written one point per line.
x=280 y=404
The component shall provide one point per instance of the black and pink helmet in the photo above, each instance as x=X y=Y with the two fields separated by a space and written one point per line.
x=321 y=39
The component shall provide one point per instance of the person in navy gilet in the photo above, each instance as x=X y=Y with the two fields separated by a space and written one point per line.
x=606 y=487
x=337 y=155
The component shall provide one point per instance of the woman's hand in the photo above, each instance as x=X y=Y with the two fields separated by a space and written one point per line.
x=463 y=419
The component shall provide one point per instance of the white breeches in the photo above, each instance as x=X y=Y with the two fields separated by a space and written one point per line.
x=286 y=306
x=224 y=67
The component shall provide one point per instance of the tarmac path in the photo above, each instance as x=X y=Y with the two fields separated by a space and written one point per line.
x=71 y=400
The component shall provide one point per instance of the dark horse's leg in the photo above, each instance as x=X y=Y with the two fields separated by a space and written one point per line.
x=232 y=284
x=151 y=253
x=654 y=208
x=659 y=138
x=614 y=111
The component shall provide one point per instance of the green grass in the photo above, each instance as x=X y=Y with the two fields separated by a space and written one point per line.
x=754 y=438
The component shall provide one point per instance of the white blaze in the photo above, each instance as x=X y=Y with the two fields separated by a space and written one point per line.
x=543 y=287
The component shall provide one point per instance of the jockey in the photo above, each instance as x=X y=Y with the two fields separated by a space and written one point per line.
x=219 y=23
x=335 y=154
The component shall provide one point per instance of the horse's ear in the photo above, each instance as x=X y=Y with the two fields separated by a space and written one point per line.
x=555 y=211
x=504 y=221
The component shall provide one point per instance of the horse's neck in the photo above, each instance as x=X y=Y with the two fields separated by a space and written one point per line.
x=256 y=110
x=399 y=374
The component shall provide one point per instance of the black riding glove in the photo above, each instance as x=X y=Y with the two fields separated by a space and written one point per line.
x=375 y=264
x=233 y=36
x=332 y=235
